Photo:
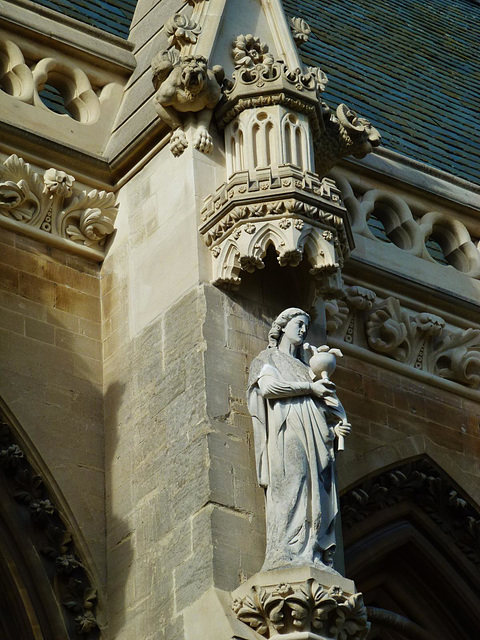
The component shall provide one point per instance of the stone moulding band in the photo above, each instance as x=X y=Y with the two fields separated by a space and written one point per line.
x=47 y=209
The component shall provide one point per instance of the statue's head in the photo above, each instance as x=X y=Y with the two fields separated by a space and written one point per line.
x=294 y=322
x=194 y=73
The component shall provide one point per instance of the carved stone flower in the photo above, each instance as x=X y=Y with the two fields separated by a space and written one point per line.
x=85 y=623
x=248 y=51
x=11 y=456
x=182 y=30
x=284 y=589
x=58 y=183
x=66 y=563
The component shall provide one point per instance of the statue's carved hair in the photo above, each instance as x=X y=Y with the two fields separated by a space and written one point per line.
x=281 y=322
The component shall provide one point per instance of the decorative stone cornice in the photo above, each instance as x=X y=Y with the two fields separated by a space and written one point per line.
x=50 y=536
x=421 y=340
x=303 y=610
x=429 y=489
x=292 y=209
x=49 y=209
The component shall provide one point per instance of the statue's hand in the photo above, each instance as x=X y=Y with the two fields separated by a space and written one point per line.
x=343 y=429
x=322 y=388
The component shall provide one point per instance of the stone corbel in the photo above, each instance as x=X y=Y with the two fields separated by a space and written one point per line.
x=48 y=208
x=293 y=210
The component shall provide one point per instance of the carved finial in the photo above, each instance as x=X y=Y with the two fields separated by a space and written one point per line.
x=300 y=30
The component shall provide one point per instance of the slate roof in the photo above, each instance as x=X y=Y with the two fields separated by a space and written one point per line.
x=113 y=16
x=411 y=66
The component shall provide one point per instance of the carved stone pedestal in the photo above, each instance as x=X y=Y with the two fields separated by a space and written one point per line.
x=302 y=604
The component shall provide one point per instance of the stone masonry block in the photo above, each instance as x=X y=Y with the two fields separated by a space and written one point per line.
x=183 y=325
x=37 y=289
x=12 y=321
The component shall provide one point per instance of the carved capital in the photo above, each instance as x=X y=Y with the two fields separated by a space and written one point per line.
x=52 y=206
x=307 y=607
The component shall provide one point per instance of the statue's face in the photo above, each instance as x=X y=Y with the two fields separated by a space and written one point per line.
x=296 y=330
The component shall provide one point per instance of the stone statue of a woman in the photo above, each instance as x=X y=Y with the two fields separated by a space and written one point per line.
x=295 y=423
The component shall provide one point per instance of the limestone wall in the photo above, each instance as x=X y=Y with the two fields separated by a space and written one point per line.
x=51 y=378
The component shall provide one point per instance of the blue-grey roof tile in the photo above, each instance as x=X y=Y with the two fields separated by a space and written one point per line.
x=113 y=16
x=410 y=67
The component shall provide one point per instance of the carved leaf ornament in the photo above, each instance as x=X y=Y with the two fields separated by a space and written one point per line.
x=308 y=607
x=422 y=340
x=49 y=204
x=48 y=534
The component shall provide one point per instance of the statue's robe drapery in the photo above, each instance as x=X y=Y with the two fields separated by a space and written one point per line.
x=294 y=449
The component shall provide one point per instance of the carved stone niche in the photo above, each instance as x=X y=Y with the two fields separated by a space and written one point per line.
x=291 y=209
x=302 y=604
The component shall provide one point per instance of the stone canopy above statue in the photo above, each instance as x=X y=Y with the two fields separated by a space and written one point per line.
x=280 y=141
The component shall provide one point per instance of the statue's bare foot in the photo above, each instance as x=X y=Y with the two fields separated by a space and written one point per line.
x=178 y=142
x=203 y=140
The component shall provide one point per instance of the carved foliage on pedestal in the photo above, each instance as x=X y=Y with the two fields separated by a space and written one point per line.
x=49 y=203
x=429 y=489
x=50 y=536
x=308 y=607
x=419 y=339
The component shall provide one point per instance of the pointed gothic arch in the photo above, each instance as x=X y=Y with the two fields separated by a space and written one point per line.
x=412 y=545
x=45 y=588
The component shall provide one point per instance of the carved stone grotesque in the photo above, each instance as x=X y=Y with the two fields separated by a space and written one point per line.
x=346 y=134
x=186 y=93
x=296 y=419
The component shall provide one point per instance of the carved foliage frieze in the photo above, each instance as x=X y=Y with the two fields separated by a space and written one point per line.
x=419 y=339
x=51 y=204
x=50 y=536
x=324 y=612
x=429 y=489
